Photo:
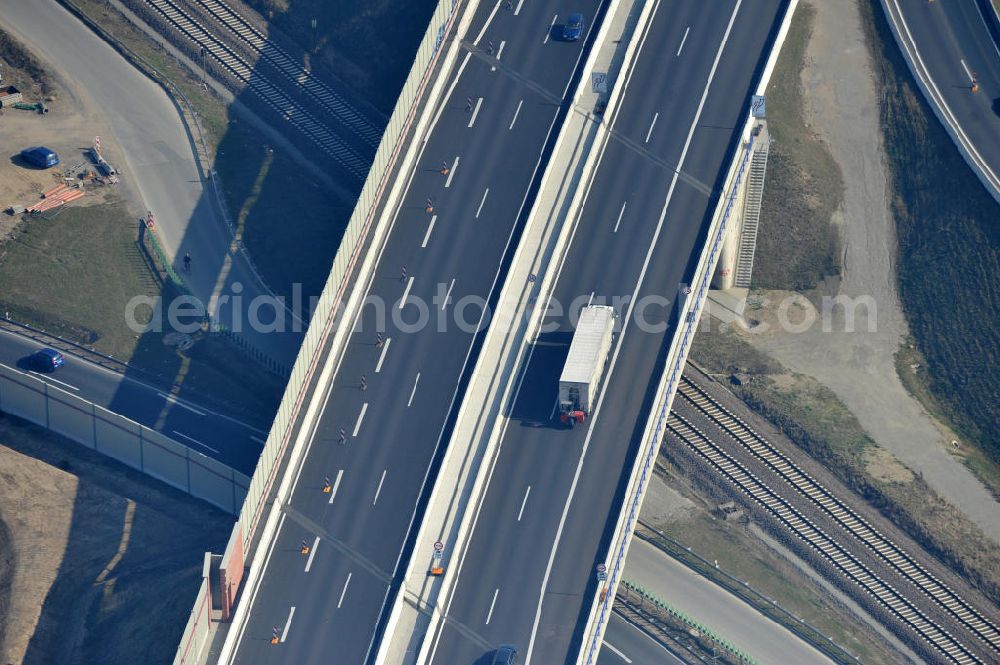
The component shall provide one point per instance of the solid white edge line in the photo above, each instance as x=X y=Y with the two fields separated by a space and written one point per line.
x=621 y=336
x=430 y=227
x=312 y=554
x=288 y=624
x=181 y=403
x=489 y=615
x=481 y=203
x=47 y=378
x=406 y=292
x=378 y=490
x=524 y=502
x=616 y=651
x=414 y=391
x=343 y=591
x=193 y=440
x=336 y=485
x=361 y=417
x=381 y=357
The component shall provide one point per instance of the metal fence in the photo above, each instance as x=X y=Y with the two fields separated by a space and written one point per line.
x=135 y=445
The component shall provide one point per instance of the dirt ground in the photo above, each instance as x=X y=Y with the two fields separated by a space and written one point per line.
x=98 y=564
x=841 y=106
x=68 y=128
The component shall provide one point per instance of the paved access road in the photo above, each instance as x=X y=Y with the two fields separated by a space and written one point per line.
x=234 y=442
x=391 y=398
x=528 y=575
x=627 y=644
x=954 y=41
x=159 y=158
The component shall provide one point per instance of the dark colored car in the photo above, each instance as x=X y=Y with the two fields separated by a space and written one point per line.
x=505 y=655
x=47 y=360
x=40 y=156
x=573 y=27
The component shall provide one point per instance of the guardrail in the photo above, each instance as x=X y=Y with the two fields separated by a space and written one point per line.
x=663 y=606
x=121 y=439
x=688 y=316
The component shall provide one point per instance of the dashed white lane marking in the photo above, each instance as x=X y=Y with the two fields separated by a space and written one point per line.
x=492 y=605
x=336 y=484
x=173 y=400
x=516 y=111
x=414 y=391
x=451 y=172
x=524 y=501
x=430 y=227
x=381 y=357
x=620 y=213
x=447 y=296
x=406 y=292
x=361 y=416
x=192 y=440
x=517 y=10
x=475 y=112
x=343 y=591
x=485 y=194
x=551 y=26
x=312 y=553
x=499 y=51
x=288 y=623
x=589 y=302
x=679 y=49
x=378 y=490
x=618 y=652
x=651 y=125
x=967 y=71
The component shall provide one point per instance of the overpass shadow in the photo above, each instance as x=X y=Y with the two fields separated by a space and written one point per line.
x=287 y=202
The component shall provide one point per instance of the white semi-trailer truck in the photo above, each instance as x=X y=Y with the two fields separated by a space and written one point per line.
x=588 y=354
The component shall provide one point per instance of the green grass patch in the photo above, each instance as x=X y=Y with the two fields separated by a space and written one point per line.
x=73 y=277
x=949 y=250
x=746 y=559
x=797 y=244
x=815 y=419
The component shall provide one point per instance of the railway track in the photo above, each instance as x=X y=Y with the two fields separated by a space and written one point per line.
x=271 y=95
x=883 y=593
x=878 y=544
x=351 y=118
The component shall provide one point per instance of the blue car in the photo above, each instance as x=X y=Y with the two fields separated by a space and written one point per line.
x=48 y=360
x=573 y=27
x=40 y=156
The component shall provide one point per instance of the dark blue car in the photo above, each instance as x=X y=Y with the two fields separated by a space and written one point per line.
x=40 y=156
x=573 y=27
x=47 y=360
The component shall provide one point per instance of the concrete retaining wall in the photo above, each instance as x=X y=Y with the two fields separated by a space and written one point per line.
x=124 y=440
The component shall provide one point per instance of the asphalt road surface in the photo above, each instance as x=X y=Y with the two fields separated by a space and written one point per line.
x=955 y=44
x=234 y=442
x=384 y=416
x=528 y=576
x=627 y=644
x=159 y=160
